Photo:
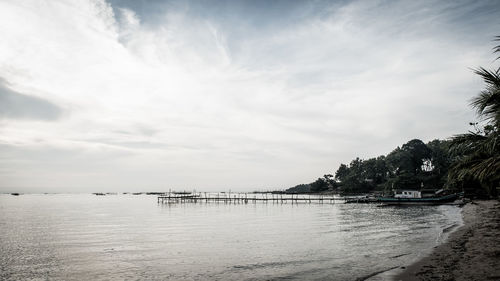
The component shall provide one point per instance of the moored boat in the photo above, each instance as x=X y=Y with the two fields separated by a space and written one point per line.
x=414 y=198
x=363 y=199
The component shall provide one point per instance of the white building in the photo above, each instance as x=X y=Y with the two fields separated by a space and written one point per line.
x=407 y=194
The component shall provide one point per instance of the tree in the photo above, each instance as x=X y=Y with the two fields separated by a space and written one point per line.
x=418 y=152
x=399 y=161
x=329 y=179
x=301 y=188
x=438 y=165
x=319 y=185
x=478 y=152
x=342 y=172
x=406 y=165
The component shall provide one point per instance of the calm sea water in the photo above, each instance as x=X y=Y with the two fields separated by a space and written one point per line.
x=127 y=237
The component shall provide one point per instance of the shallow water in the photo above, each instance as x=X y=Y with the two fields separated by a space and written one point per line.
x=127 y=237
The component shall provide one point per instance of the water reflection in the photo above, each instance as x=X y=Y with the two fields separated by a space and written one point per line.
x=71 y=237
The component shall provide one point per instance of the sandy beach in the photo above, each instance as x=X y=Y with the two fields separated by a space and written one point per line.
x=471 y=253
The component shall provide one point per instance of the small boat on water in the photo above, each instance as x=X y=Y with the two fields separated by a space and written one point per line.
x=413 y=197
x=361 y=199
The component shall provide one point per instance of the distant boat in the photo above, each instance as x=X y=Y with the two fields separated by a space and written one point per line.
x=413 y=197
x=361 y=199
x=15 y=194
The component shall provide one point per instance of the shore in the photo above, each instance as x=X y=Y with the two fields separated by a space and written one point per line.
x=471 y=253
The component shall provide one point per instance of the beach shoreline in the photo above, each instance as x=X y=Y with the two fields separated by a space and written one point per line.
x=472 y=252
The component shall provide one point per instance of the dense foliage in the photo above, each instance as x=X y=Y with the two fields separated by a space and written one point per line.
x=413 y=165
x=469 y=162
x=478 y=152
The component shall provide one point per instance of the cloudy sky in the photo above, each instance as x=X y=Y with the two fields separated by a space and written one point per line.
x=129 y=95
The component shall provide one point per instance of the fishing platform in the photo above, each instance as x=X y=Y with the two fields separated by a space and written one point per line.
x=244 y=198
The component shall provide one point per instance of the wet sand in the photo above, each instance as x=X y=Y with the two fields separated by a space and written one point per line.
x=471 y=253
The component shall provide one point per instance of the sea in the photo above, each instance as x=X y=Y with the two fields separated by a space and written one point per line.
x=133 y=237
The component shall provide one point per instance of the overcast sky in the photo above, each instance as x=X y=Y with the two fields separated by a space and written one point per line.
x=218 y=95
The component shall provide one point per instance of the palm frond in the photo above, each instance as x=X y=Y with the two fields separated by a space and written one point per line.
x=466 y=143
x=481 y=169
x=477 y=154
x=496 y=49
x=487 y=103
x=489 y=77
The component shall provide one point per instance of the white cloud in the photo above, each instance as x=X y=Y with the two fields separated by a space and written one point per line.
x=192 y=102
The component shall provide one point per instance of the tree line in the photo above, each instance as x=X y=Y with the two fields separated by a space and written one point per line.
x=467 y=162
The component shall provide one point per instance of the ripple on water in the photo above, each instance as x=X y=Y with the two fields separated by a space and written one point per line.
x=70 y=237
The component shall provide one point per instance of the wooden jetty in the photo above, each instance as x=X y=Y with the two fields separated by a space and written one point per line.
x=244 y=198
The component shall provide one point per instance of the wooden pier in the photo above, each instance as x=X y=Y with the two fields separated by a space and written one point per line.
x=245 y=198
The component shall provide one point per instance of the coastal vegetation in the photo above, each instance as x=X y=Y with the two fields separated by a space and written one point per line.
x=413 y=165
x=468 y=162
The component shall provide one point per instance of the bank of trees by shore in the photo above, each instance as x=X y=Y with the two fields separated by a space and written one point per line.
x=468 y=162
x=413 y=165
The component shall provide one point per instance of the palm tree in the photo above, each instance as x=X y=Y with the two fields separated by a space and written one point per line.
x=487 y=103
x=478 y=153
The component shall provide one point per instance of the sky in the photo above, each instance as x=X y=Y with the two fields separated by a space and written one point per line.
x=126 y=95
